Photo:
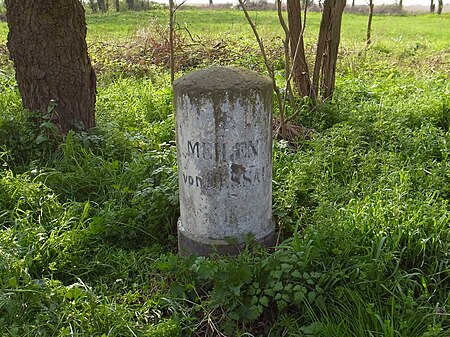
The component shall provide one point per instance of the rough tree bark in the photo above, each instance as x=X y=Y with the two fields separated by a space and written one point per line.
x=300 y=70
x=46 y=41
x=432 y=6
x=327 y=49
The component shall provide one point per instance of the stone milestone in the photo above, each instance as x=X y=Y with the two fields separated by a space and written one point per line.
x=224 y=151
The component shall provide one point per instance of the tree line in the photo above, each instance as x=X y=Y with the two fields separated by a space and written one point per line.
x=55 y=76
x=118 y=5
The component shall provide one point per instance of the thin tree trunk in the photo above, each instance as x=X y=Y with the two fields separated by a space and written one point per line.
x=171 y=39
x=353 y=3
x=46 y=41
x=400 y=4
x=130 y=4
x=440 y=6
x=327 y=48
x=329 y=76
x=369 y=23
x=287 y=53
x=321 y=45
x=300 y=70
x=117 y=3
x=93 y=5
x=101 y=5
x=432 y=6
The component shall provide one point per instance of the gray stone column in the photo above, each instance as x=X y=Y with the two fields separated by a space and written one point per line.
x=224 y=152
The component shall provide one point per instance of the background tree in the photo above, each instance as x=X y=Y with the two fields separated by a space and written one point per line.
x=369 y=23
x=440 y=6
x=117 y=4
x=46 y=41
x=172 y=10
x=130 y=4
x=300 y=70
x=432 y=6
x=323 y=77
x=323 y=80
x=102 y=5
x=327 y=49
x=93 y=5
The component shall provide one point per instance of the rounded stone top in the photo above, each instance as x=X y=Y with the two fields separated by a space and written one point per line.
x=221 y=79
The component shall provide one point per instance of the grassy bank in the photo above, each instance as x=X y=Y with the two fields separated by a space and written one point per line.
x=88 y=221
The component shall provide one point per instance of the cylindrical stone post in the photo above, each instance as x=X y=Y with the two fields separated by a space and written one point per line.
x=224 y=151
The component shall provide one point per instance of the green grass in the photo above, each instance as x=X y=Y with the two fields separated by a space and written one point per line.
x=3 y=32
x=88 y=221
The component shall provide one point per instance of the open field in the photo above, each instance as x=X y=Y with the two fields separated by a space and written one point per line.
x=88 y=221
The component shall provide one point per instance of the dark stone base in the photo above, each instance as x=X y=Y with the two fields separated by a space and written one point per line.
x=190 y=246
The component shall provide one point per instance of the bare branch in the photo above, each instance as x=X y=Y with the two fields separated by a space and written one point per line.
x=281 y=106
x=281 y=19
x=255 y=32
x=178 y=6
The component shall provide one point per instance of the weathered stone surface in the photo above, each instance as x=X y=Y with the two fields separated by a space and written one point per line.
x=224 y=144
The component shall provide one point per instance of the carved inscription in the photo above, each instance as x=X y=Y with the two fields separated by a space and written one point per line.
x=222 y=177
x=222 y=151
x=227 y=170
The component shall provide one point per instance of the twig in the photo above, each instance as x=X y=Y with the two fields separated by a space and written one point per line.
x=268 y=67
x=258 y=39
x=181 y=4
x=189 y=33
x=287 y=36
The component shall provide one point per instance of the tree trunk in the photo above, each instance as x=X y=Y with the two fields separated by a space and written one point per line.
x=130 y=4
x=440 y=6
x=369 y=23
x=353 y=3
x=101 y=5
x=93 y=5
x=117 y=3
x=400 y=4
x=327 y=49
x=46 y=41
x=300 y=70
x=210 y=2
x=432 y=6
x=171 y=39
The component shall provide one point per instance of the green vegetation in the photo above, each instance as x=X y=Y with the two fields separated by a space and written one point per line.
x=88 y=221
